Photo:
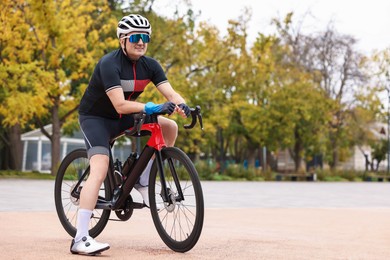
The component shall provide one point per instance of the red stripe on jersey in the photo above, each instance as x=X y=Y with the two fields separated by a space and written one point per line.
x=140 y=84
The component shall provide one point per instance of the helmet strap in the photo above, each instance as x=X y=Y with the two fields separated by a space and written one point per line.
x=124 y=49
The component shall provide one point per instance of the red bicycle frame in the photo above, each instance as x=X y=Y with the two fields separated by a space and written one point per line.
x=153 y=147
x=156 y=139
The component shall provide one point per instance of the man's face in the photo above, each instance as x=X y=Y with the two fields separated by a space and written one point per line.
x=135 y=45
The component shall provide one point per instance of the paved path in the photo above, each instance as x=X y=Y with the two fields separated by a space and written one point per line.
x=38 y=195
x=243 y=220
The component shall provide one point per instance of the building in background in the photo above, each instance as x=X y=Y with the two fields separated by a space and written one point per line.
x=37 y=149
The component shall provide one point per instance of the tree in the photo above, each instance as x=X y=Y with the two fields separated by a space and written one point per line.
x=338 y=69
x=379 y=153
x=196 y=71
x=21 y=77
x=49 y=49
x=298 y=115
x=281 y=105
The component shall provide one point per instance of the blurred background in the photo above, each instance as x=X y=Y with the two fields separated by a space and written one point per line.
x=296 y=91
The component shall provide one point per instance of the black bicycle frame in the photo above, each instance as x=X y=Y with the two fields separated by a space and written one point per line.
x=132 y=178
x=121 y=195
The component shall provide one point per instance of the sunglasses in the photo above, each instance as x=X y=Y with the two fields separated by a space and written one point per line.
x=134 y=38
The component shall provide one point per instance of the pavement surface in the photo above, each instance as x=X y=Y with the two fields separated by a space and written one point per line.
x=243 y=220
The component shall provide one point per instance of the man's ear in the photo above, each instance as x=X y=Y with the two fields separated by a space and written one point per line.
x=122 y=43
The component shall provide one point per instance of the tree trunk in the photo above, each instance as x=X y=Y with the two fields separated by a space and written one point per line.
x=296 y=152
x=298 y=162
x=220 y=142
x=15 y=147
x=335 y=155
x=239 y=153
x=272 y=162
x=251 y=156
x=335 y=159
x=261 y=156
x=55 y=140
x=4 y=150
x=197 y=155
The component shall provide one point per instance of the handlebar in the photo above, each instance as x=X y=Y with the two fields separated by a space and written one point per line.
x=139 y=120
x=195 y=114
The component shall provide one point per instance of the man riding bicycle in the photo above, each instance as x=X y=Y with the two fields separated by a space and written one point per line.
x=107 y=108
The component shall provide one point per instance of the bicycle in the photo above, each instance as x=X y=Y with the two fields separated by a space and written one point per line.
x=175 y=192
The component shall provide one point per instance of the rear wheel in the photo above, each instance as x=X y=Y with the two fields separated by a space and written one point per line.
x=179 y=221
x=75 y=168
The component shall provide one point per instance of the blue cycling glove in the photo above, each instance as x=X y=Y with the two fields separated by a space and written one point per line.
x=185 y=108
x=165 y=108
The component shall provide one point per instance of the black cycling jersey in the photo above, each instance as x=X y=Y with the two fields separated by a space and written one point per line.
x=114 y=70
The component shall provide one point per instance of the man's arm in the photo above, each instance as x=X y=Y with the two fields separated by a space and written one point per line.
x=121 y=105
x=171 y=95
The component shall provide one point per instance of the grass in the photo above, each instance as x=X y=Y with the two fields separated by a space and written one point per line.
x=25 y=175
x=230 y=175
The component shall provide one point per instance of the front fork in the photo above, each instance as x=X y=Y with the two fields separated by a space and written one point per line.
x=164 y=189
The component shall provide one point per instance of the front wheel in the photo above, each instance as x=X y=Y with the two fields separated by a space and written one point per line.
x=73 y=172
x=179 y=221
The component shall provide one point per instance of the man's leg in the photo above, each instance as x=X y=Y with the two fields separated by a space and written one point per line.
x=82 y=243
x=169 y=129
x=98 y=171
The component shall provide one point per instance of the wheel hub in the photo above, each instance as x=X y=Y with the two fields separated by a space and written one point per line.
x=172 y=203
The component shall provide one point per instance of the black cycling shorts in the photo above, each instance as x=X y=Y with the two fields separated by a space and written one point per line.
x=98 y=131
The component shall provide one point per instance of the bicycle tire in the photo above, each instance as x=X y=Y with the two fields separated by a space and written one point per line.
x=180 y=223
x=69 y=172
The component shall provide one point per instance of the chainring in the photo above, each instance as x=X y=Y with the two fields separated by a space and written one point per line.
x=127 y=212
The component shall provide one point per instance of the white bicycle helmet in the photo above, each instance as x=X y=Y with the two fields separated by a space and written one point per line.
x=133 y=23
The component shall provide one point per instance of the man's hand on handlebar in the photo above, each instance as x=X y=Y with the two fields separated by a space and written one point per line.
x=165 y=108
x=170 y=107
x=183 y=110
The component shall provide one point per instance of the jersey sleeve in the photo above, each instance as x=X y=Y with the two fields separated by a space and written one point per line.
x=110 y=75
x=158 y=76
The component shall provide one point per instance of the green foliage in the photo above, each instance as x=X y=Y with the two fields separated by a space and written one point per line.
x=339 y=175
x=25 y=175
x=206 y=170
x=380 y=150
x=48 y=50
x=236 y=172
x=277 y=93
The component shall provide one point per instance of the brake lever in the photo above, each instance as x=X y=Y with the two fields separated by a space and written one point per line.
x=195 y=113
x=200 y=120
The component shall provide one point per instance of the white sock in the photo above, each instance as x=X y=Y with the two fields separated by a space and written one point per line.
x=83 y=218
x=144 y=179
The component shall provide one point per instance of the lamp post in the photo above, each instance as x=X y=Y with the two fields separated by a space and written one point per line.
x=388 y=121
x=388 y=131
x=388 y=128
